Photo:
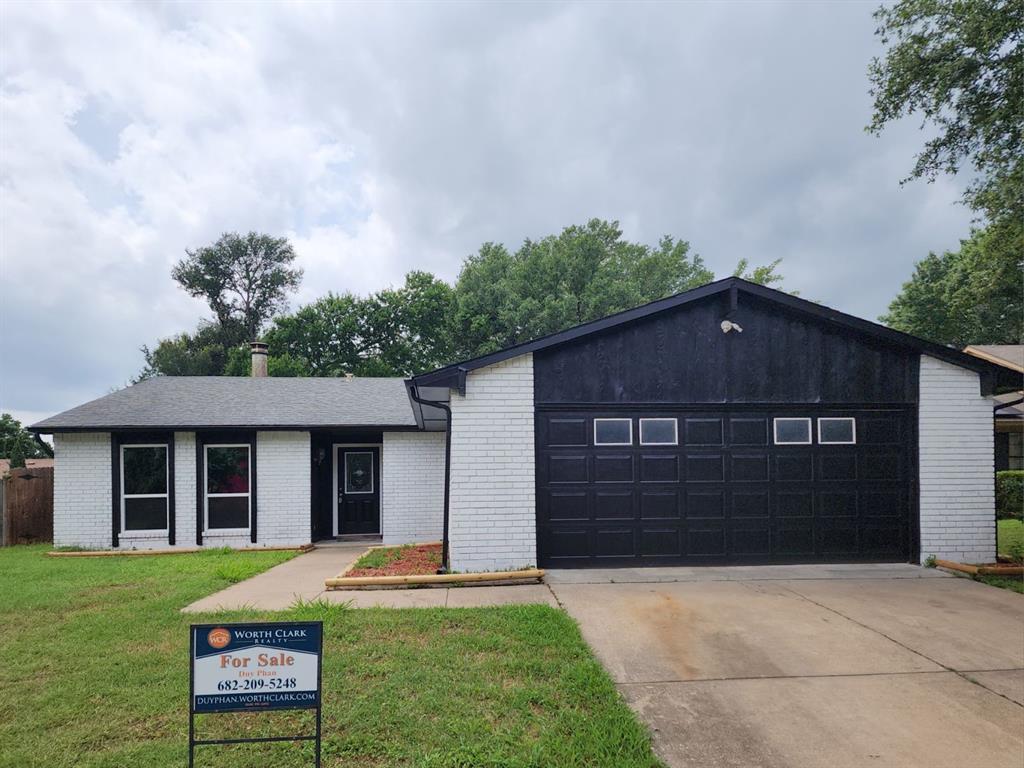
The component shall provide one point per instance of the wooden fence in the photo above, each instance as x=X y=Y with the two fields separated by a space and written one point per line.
x=26 y=500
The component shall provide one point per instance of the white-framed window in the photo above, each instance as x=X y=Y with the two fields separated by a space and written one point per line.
x=659 y=432
x=144 y=482
x=227 y=474
x=838 y=430
x=358 y=472
x=613 y=431
x=792 y=431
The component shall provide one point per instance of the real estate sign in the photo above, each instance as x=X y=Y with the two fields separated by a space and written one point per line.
x=256 y=666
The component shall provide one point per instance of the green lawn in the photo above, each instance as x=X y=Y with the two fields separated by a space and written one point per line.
x=1010 y=532
x=94 y=672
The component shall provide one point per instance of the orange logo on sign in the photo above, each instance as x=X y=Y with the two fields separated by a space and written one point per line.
x=218 y=638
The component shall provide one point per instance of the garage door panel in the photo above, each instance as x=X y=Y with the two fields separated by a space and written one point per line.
x=793 y=542
x=566 y=542
x=659 y=468
x=750 y=504
x=661 y=542
x=613 y=469
x=794 y=502
x=837 y=503
x=879 y=430
x=613 y=541
x=566 y=432
x=613 y=505
x=659 y=504
x=752 y=542
x=837 y=537
x=705 y=504
x=749 y=468
x=794 y=467
x=839 y=466
x=705 y=541
x=726 y=493
x=880 y=466
x=567 y=469
x=705 y=468
x=703 y=431
x=567 y=505
x=748 y=431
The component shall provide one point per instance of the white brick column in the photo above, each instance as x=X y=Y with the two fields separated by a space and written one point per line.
x=82 y=490
x=282 y=488
x=957 y=463
x=492 y=512
x=412 y=487
x=185 y=489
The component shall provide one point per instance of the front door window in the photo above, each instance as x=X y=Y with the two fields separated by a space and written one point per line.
x=358 y=472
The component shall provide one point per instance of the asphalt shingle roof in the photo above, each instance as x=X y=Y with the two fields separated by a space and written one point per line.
x=229 y=401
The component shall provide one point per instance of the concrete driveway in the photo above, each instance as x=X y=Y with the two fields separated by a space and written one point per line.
x=817 y=666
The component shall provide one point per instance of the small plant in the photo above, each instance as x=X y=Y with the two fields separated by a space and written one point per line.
x=931 y=561
x=1016 y=552
x=1010 y=494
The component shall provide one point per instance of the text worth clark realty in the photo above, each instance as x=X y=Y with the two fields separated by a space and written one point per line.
x=256 y=666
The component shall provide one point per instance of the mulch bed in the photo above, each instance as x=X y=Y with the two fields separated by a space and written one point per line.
x=404 y=561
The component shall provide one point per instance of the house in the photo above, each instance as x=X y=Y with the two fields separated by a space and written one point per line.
x=5 y=465
x=728 y=424
x=1009 y=408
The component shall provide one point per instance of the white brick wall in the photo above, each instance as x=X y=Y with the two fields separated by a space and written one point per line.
x=185 y=489
x=82 y=490
x=82 y=493
x=412 y=487
x=956 y=465
x=282 y=488
x=492 y=523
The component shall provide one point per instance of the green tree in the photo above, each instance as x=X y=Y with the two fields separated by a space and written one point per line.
x=245 y=279
x=18 y=444
x=203 y=352
x=959 y=64
x=581 y=274
x=974 y=295
x=394 y=332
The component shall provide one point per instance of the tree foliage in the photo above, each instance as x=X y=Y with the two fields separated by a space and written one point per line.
x=394 y=332
x=547 y=285
x=18 y=444
x=974 y=295
x=501 y=298
x=960 y=65
x=245 y=279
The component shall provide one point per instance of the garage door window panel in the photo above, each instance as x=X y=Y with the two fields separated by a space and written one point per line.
x=613 y=431
x=792 y=431
x=659 y=432
x=837 y=431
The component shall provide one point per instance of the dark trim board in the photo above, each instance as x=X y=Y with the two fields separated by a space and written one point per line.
x=129 y=428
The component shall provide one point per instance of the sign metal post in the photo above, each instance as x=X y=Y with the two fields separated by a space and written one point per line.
x=257 y=667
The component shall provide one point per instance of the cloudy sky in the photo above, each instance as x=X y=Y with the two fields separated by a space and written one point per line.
x=385 y=138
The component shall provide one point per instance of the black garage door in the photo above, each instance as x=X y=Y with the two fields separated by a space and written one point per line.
x=728 y=486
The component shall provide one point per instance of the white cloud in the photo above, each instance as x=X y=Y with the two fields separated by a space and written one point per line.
x=385 y=137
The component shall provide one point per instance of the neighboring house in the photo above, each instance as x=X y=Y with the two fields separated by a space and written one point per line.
x=5 y=464
x=1009 y=407
x=729 y=424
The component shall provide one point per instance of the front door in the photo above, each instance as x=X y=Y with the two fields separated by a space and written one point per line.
x=357 y=471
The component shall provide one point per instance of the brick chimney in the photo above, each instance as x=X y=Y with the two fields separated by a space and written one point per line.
x=259 y=359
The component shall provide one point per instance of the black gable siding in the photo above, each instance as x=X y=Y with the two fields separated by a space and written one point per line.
x=682 y=356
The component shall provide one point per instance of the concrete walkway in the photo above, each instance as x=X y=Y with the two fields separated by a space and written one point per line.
x=810 y=666
x=302 y=578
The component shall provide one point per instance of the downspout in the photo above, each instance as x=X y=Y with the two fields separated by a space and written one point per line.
x=414 y=393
